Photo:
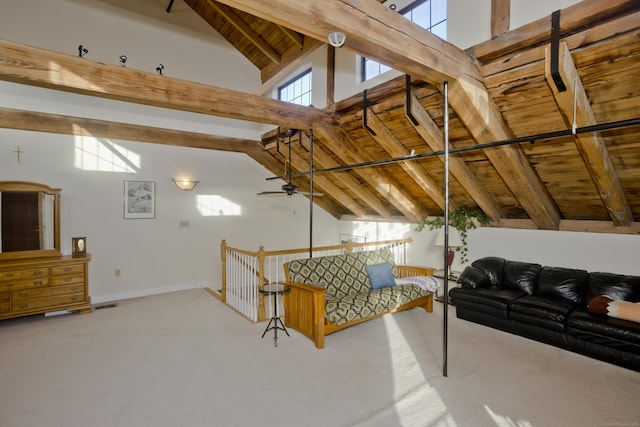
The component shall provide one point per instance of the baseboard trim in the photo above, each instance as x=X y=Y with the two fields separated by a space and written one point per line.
x=147 y=292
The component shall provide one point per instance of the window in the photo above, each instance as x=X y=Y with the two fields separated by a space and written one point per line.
x=429 y=14
x=297 y=90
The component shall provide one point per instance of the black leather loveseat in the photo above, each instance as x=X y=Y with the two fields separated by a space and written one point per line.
x=550 y=304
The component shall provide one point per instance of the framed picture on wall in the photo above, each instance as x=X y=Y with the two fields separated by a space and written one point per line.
x=139 y=199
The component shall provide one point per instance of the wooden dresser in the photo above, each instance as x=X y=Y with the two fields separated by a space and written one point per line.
x=40 y=285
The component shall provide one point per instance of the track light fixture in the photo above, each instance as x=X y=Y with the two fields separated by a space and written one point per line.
x=123 y=60
x=160 y=68
x=82 y=51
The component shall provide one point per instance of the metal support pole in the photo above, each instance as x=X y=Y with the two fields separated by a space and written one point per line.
x=445 y=312
x=310 y=193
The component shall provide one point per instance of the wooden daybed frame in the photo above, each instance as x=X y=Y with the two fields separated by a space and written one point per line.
x=304 y=306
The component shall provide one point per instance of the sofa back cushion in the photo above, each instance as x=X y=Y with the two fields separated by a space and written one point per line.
x=565 y=283
x=340 y=275
x=492 y=267
x=614 y=286
x=474 y=278
x=521 y=276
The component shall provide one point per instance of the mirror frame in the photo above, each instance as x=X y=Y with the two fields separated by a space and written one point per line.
x=23 y=186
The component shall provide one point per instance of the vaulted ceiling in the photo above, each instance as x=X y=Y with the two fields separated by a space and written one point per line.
x=509 y=119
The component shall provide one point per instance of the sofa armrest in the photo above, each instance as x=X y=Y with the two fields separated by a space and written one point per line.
x=304 y=311
x=414 y=270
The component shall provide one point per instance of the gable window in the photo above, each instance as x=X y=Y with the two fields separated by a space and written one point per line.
x=297 y=90
x=429 y=14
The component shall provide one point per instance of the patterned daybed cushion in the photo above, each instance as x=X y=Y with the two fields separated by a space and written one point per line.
x=348 y=293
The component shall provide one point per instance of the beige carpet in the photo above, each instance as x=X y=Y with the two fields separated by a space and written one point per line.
x=185 y=359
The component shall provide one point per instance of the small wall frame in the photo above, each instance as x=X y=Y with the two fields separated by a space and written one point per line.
x=139 y=199
x=78 y=246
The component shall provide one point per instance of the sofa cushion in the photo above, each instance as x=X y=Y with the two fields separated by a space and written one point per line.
x=493 y=267
x=550 y=313
x=614 y=286
x=473 y=277
x=521 y=276
x=565 y=283
x=603 y=330
x=380 y=275
x=367 y=304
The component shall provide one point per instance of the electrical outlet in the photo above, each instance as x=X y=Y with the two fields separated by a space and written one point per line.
x=184 y=223
x=117 y=272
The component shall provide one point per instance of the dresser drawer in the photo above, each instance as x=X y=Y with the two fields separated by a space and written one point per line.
x=49 y=291
x=66 y=280
x=16 y=275
x=24 y=284
x=49 y=302
x=73 y=269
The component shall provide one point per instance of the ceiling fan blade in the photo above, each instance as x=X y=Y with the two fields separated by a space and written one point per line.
x=272 y=193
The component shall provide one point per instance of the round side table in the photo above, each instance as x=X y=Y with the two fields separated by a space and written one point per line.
x=275 y=322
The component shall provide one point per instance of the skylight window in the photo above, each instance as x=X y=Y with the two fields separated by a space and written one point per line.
x=429 y=14
x=297 y=90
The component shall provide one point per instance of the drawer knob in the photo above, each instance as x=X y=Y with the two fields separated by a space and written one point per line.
x=67 y=269
x=37 y=283
x=23 y=295
x=23 y=306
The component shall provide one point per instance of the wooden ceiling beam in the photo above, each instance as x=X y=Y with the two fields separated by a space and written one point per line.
x=592 y=147
x=500 y=17
x=581 y=15
x=388 y=141
x=68 y=125
x=373 y=31
x=433 y=136
x=246 y=31
x=294 y=36
x=341 y=144
x=43 y=68
x=480 y=115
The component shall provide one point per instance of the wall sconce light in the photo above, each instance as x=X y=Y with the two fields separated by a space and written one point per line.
x=337 y=39
x=185 y=184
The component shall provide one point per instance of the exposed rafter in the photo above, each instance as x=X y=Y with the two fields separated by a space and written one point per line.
x=576 y=109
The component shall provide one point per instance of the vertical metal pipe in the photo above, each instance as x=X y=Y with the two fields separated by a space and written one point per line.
x=445 y=311
x=310 y=193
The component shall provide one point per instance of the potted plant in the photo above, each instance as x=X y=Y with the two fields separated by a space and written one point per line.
x=463 y=220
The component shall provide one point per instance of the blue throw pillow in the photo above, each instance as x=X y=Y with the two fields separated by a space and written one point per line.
x=380 y=275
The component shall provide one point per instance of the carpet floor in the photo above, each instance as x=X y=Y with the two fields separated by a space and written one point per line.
x=186 y=359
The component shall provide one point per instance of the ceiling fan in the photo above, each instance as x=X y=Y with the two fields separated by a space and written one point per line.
x=288 y=189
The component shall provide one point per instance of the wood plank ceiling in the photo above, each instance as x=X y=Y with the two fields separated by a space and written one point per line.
x=499 y=89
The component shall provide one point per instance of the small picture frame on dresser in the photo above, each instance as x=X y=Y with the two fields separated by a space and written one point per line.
x=78 y=246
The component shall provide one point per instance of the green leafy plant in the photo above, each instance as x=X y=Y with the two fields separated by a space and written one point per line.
x=463 y=220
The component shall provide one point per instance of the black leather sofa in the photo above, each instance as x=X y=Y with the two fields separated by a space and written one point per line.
x=550 y=304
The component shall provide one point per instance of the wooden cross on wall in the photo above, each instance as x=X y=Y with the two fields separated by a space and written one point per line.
x=18 y=152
